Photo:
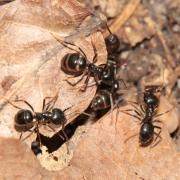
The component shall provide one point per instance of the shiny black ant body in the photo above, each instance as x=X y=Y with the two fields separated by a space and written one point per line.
x=147 y=115
x=26 y=120
x=147 y=129
x=77 y=64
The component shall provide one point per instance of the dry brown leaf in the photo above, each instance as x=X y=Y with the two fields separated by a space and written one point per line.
x=30 y=55
x=103 y=154
x=18 y=162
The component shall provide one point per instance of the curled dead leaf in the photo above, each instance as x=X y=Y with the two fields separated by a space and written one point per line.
x=31 y=56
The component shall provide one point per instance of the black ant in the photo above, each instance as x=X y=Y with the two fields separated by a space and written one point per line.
x=146 y=115
x=77 y=64
x=26 y=120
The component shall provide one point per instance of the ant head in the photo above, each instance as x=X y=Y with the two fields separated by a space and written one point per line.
x=112 y=42
x=58 y=117
x=35 y=147
x=151 y=100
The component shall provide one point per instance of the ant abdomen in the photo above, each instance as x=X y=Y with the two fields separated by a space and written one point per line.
x=24 y=120
x=146 y=133
x=101 y=101
x=73 y=64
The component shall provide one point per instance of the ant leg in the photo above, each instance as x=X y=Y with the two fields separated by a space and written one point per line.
x=126 y=140
x=122 y=82
x=51 y=103
x=97 y=81
x=111 y=104
x=95 y=53
x=142 y=108
x=64 y=43
x=55 y=131
x=65 y=135
x=20 y=135
x=13 y=105
x=164 y=112
x=28 y=135
x=82 y=52
x=136 y=116
x=74 y=84
x=38 y=134
x=67 y=109
x=23 y=133
x=86 y=82
x=94 y=83
x=19 y=100
x=157 y=121
x=108 y=29
x=157 y=136
x=95 y=58
x=46 y=105
x=20 y=107
x=138 y=111
x=31 y=132
x=66 y=138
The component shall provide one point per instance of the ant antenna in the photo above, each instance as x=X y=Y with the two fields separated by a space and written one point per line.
x=67 y=109
x=108 y=29
x=134 y=135
x=95 y=52
x=65 y=44
x=20 y=100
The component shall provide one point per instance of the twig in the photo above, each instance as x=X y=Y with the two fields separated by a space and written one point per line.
x=125 y=15
x=169 y=57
